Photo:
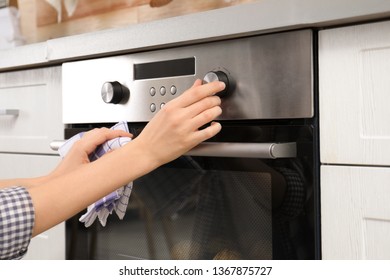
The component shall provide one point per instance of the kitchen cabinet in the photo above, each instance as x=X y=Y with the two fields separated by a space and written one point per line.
x=354 y=90
x=51 y=243
x=30 y=110
x=355 y=212
x=30 y=118
x=355 y=141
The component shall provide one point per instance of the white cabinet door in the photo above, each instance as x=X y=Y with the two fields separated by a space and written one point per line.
x=50 y=244
x=354 y=94
x=355 y=212
x=30 y=110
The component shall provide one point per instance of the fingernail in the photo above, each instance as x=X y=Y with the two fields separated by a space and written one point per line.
x=222 y=85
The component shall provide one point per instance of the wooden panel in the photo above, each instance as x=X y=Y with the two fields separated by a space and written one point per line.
x=354 y=94
x=87 y=24
x=355 y=212
x=39 y=19
x=46 y=14
x=181 y=7
x=28 y=24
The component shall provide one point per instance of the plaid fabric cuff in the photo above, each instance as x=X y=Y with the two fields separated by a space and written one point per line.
x=16 y=222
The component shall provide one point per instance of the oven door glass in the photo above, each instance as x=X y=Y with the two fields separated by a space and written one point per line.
x=202 y=207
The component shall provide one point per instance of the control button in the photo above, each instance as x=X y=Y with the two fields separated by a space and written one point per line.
x=163 y=90
x=173 y=90
x=152 y=91
x=114 y=92
x=153 y=107
x=162 y=105
x=218 y=76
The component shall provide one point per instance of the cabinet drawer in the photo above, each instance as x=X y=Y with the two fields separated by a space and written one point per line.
x=30 y=110
x=354 y=94
x=26 y=166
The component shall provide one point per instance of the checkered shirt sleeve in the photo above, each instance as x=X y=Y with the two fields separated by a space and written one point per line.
x=16 y=222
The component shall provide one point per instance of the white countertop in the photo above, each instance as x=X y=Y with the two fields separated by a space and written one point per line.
x=259 y=17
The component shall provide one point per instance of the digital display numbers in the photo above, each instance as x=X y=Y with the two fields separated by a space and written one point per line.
x=163 y=69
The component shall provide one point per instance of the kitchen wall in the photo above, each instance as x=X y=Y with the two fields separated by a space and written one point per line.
x=40 y=21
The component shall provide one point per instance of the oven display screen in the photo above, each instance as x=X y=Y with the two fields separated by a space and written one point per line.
x=163 y=69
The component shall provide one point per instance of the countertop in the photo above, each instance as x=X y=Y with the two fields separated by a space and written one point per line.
x=263 y=16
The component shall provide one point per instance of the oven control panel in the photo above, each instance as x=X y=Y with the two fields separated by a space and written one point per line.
x=266 y=77
x=115 y=93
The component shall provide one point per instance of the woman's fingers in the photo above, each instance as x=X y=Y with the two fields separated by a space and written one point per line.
x=198 y=92
x=203 y=105
x=93 y=138
x=206 y=116
x=198 y=82
x=203 y=134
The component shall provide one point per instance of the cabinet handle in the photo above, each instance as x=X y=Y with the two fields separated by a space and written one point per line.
x=237 y=150
x=9 y=112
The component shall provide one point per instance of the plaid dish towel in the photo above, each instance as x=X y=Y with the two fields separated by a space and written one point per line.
x=116 y=201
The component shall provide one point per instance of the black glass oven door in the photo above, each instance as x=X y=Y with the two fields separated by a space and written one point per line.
x=216 y=207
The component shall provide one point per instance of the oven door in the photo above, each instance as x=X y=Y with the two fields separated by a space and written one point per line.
x=220 y=201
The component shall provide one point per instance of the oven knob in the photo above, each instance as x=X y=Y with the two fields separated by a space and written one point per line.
x=218 y=76
x=114 y=92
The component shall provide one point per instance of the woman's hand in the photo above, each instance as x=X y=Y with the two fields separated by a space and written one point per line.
x=78 y=154
x=176 y=127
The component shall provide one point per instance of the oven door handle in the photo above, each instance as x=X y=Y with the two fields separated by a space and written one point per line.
x=237 y=150
x=245 y=150
x=55 y=145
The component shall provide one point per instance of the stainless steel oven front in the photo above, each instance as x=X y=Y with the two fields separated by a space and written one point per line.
x=251 y=192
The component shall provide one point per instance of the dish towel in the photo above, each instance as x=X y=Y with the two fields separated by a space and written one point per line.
x=116 y=201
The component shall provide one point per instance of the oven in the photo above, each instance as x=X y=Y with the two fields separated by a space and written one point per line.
x=251 y=192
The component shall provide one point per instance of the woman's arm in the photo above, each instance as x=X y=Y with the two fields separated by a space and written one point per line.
x=76 y=157
x=26 y=182
x=173 y=131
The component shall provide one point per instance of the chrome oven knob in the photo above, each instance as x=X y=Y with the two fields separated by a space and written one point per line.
x=218 y=76
x=114 y=92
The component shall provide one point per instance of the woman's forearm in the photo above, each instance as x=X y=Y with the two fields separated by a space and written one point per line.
x=64 y=196
x=25 y=182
